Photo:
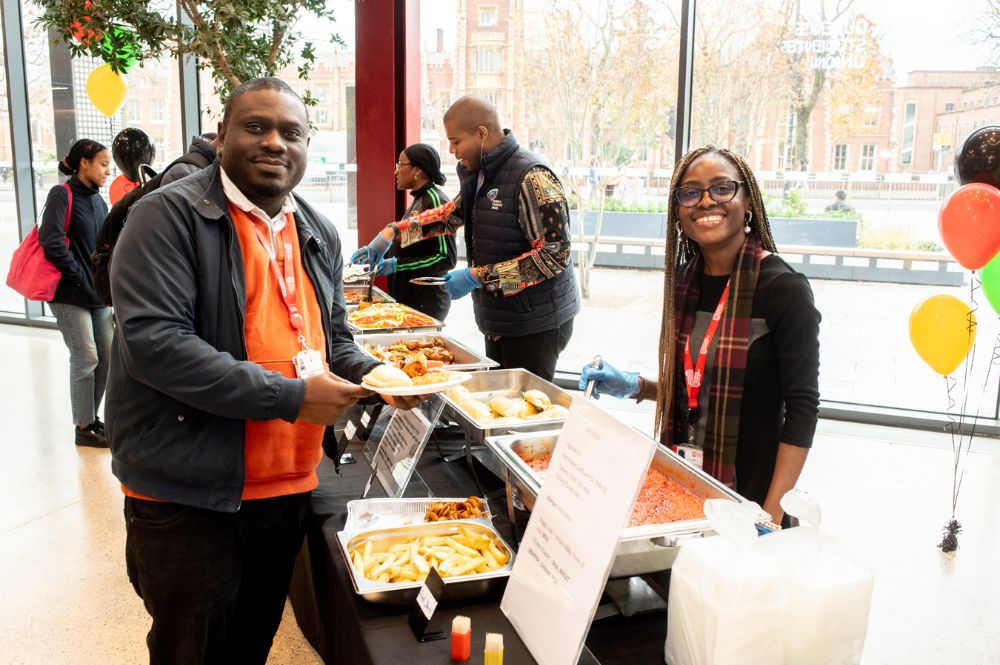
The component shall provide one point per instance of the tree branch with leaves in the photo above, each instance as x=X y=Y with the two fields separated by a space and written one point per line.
x=236 y=40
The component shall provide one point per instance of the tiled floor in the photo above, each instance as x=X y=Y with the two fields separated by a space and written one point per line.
x=886 y=492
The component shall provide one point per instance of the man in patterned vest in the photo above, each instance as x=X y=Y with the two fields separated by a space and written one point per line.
x=517 y=241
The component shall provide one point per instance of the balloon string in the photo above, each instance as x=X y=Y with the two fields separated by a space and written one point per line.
x=994 y=361
x=950 y=427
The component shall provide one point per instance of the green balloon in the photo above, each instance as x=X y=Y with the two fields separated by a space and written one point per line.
x=989 y=275
x=120 y=49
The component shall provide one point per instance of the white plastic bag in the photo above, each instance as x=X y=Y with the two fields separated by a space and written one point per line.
x=795 y=597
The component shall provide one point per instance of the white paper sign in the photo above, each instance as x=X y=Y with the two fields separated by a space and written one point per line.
x=568 y=547
x=401 y=445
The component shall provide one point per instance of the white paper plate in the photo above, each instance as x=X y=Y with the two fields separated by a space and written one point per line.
x=457 y=378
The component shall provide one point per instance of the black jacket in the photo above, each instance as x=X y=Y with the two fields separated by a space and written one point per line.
x=200 y=149
x=86 y=218
x=180 y=389
x=493 y=234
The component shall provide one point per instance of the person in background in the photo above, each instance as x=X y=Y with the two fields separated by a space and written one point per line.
x=738 y=383
x=83 y=320
x=517 y=240
x=204 y=147
x=419 y=171
x=840 y=203
x=231 y=363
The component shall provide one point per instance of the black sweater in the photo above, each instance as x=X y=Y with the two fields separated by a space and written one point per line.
x=89 y=210
x=781 y=388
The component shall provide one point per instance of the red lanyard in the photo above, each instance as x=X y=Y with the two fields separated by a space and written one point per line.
x=286 y=278
x=692 y=375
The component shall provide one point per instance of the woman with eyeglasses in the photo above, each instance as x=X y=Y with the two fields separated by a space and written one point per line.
x=737 y=391
x=419 y=171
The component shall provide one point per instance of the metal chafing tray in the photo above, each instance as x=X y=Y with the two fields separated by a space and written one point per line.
x=465 y=358
x=436 y=325
x=403 y=593
x=641 y=549
x=378 y=295
x=509 y=383
x=389 y=512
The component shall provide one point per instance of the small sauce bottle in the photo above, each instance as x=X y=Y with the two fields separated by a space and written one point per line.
x=493 y=655
x=461 y=638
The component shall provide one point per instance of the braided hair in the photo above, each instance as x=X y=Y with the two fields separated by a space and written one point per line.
x=679 y=251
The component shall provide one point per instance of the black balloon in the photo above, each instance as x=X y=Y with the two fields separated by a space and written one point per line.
x=131 y=149
x=978 y=160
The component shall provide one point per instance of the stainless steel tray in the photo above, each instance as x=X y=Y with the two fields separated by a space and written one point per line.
x=509 y=383
x=436 y=325
x=403 y=593
x=641 y=549
x=465 y=358
x=378 y=295
x=386 y=513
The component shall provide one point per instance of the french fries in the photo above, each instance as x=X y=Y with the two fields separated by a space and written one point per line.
x=464 y=552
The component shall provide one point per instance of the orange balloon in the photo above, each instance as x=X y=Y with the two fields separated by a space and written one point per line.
x=969 y=223
x=120 y=187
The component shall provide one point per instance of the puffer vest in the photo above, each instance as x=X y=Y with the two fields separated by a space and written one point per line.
x=493 y=235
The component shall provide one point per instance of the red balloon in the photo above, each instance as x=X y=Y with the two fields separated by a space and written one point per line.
x=120 y=187
x=969 y=223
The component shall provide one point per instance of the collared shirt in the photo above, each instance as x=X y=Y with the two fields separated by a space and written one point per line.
x=239 y=199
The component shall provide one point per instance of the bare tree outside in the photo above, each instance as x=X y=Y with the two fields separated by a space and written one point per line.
x=600 y=86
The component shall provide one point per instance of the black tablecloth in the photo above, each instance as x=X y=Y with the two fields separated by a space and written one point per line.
x=345 y=629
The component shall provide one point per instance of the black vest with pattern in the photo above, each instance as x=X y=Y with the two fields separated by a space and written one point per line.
x=492 y=235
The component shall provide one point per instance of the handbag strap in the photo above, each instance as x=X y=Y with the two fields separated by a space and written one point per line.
x=69 y=206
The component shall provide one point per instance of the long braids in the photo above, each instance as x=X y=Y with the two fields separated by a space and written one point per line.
x=680 y=250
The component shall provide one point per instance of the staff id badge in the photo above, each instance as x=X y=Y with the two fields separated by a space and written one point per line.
x=692 y=455
x=308 y=363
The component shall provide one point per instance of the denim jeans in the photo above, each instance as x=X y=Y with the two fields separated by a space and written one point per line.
x=88 y=334
x=215 y=583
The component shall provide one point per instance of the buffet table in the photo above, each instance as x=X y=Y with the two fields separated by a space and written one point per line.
x=345 y=629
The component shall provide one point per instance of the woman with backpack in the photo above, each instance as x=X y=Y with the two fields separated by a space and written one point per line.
x=83 y=320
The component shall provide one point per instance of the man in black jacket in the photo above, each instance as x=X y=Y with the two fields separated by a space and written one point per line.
x=517 y=240
x=232 y=357
x=202 y=149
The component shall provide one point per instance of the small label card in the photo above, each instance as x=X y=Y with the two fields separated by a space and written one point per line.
x=425 y=627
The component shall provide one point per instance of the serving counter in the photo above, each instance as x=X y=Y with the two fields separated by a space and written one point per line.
x=346 y=629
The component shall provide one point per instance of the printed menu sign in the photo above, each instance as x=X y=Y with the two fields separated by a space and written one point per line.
x=401 y=445
x=568 y=547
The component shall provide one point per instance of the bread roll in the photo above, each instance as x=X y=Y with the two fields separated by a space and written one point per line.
x=387 y=376
x=537 y=399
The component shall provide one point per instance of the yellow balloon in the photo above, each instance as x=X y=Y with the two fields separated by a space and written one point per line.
x=940 y=332
x=107 y=90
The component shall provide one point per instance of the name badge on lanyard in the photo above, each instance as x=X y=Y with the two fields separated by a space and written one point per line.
x=307 y=362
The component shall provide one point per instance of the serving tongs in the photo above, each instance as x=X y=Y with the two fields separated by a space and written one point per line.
x=595 y=363
x=428 y=280
x=368 y=293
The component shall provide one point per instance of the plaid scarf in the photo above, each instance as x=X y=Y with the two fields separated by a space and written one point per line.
x=725 y=379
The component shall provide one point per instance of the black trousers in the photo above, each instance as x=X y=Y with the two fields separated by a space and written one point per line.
x=536 y=353
x=214 y=583
x=431 y=300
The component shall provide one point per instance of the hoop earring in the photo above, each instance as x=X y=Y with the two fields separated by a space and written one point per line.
x=747 y=219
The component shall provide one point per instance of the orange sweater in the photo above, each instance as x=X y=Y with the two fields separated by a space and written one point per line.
x=281 y=457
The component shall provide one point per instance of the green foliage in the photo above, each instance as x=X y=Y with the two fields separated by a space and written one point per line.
x=612 y=204
x=236 y=40
x=793 y=205
x=894 y=238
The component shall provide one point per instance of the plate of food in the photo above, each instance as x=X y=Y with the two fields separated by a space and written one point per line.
x=391 y=380
x=389 y=315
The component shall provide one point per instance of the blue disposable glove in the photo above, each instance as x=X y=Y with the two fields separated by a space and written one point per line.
x=609 y=380
x=373 y=253
x=460 y=283
x=386 y=266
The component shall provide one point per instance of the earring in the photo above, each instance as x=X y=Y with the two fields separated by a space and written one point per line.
x=747 y=220
x=677 y=228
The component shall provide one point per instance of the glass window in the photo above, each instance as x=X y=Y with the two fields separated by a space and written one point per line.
x=909 y=125
x=840 y=157
x=949 y=107
x=487 y=16
x=11 y=303
x=868 y=157
x=592 y=88
x=488 y=59
x=869 y=81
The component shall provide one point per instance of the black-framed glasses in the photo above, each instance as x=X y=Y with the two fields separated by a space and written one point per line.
x=720 y=192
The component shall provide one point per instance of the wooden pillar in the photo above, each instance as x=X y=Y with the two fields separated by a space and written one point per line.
x=387 y=75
